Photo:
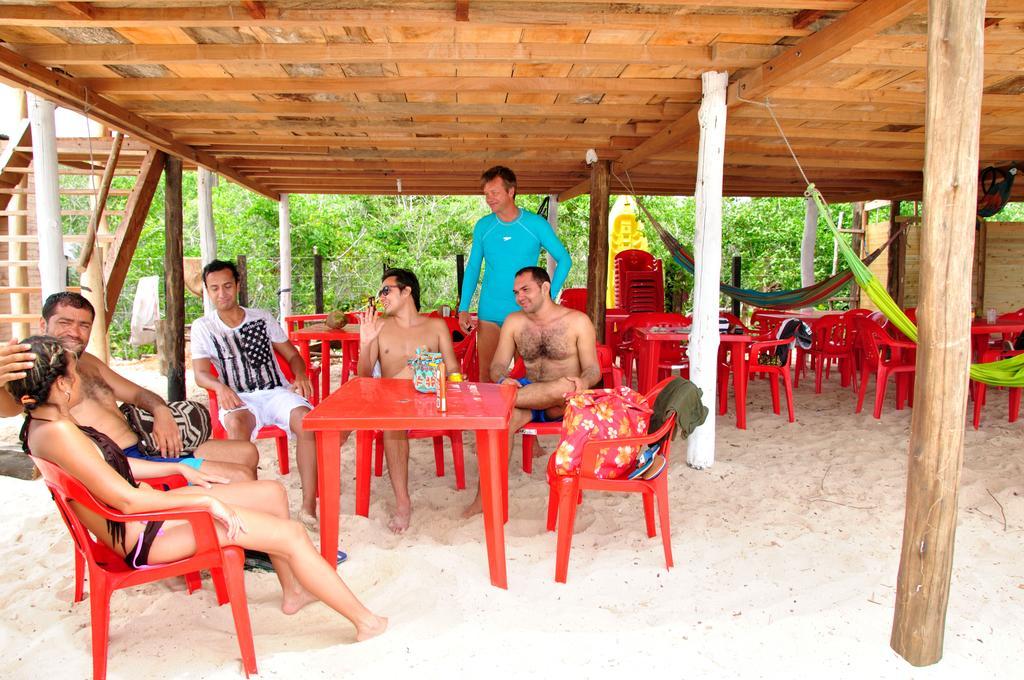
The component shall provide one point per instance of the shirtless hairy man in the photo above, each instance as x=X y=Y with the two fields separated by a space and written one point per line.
x=392 y=340
x=559 y=350
x=69 y=317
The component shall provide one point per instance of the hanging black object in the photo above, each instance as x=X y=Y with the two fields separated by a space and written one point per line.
x=996 y=184
x=542 y=209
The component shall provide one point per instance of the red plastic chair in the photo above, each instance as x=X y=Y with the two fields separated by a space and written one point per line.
x=626 y=350
x=574 y=298
x=279 y=435
x=611 y=376
x=465 y=351
x=759 y=352
x=313 y=370
x=565 y=490
x=108 y=571
x=884 y=356
x=832 y=343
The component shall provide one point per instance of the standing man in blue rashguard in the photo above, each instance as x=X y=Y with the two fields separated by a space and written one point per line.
x=507 y=240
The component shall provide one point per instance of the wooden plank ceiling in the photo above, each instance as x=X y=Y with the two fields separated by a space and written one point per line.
x=349 y=97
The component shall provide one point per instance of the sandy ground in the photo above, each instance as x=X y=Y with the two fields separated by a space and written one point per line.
x=786 y=558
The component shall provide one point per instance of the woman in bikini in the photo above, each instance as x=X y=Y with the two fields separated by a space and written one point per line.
x=253 y=515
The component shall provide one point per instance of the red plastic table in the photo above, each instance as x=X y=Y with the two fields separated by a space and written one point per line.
x=650 y=339
x=368 y=404
x=982 y=330
x=348 y=336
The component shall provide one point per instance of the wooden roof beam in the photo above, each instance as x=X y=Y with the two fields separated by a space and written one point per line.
x=79 y=10
x=834 y=40
x=509 y=16
x=462 y=10
x=70 y=93
x=865 y=20
x=257 y=10
x=400 y=84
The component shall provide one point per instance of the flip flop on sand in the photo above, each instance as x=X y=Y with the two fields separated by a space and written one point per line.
x=644 y=461
x=257 y=560
x=656 y=468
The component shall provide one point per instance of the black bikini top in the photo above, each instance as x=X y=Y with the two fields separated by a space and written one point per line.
x=112 y=453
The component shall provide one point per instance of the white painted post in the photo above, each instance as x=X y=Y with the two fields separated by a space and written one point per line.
x=285 y=227
x=53 y=265
x=207 y=233
x=707 y=250
x=808 y=243
x=553 y=221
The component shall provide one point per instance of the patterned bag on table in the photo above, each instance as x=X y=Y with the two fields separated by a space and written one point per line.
x=602 y=414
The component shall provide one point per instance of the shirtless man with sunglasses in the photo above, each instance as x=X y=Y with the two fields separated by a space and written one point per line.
x=392 y=339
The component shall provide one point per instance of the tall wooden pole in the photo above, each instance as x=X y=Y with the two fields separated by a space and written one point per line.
x=17 y=225
x=284 y=224
x=207 y=231
x=952 y=118
x=707 y=253
x=897 y=255
x=597 y=264
x=553 y=221
x=53 y=266
x=857 y=225
x=174 y=282
x=318 y=281
x=808 y=243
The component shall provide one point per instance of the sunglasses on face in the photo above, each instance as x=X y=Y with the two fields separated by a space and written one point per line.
x=385 y=290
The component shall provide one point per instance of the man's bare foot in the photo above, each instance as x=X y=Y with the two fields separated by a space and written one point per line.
x=308 y=518
x=370 y=628
x=293 y=602
x=474 y=508
x=399 y=521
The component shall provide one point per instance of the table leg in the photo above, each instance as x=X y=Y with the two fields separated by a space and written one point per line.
x=649 y=363
x=488 y=448
x=739 y=368
x=503 y=459
x=364 y=442
x=328 y=465
x=325 y=368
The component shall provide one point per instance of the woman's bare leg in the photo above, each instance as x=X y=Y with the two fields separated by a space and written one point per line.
x=486 y=343
x=304 y=575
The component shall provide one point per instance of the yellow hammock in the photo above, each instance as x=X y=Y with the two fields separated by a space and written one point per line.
x=1003 y=373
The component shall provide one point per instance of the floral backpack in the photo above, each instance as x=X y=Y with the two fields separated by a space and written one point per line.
x=602 y=414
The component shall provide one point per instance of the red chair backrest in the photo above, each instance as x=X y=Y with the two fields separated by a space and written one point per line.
x=574 y=298
x=830 y=333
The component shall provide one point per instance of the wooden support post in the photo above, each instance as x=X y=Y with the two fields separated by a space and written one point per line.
x=174 y=282
x=53 y=265
x=115 y=266
x=597 y=265
x=284 y=230
x=207 y=231
x=318 y=281
x=460 y=275
x=243 y=281
x=858 y=224
x=808 y=243
x=897 y=255
x=737 y=282
x=17 y=225
x=553 y=221
x=980 y=249
x=952 y=119
x=100 y=202
x=707 y=251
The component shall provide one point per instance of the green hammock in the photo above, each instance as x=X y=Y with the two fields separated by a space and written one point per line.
x=779 y=299
x=1003 y=373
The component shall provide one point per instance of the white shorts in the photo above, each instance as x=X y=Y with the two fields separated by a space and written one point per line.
x=270 y=407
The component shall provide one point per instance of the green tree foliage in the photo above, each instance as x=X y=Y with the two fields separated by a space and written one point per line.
x=358 y=236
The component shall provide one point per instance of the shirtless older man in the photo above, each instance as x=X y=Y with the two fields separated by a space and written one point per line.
x=393 y=340
x=69 y=317
x=559 y=350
